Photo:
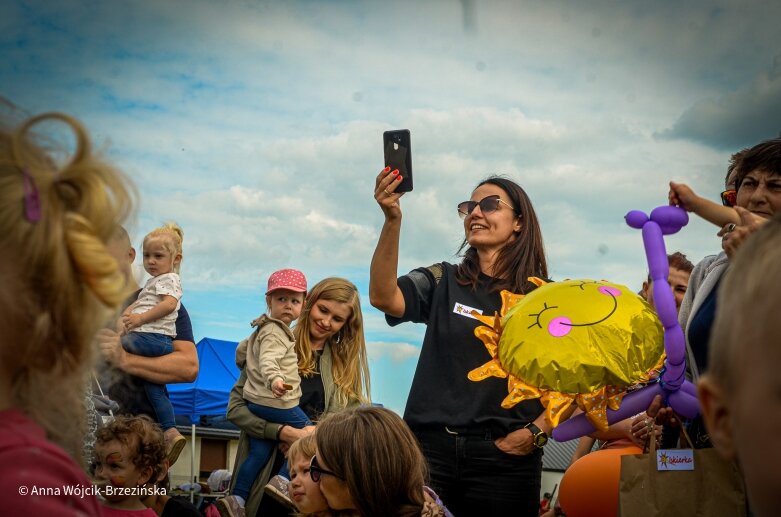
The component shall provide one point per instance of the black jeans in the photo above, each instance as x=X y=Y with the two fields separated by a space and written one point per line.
x=474 y=478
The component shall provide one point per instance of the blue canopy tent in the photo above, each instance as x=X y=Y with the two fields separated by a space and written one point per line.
x=217 y=374
x=208 y=395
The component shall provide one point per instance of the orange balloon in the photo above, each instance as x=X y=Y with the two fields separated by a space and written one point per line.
x=589 y=487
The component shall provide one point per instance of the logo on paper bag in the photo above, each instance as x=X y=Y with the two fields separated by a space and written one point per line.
x=674 y=459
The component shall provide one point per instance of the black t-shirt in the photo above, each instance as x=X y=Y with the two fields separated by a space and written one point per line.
x=441 y=394
x=128 y=390
x=312 y=401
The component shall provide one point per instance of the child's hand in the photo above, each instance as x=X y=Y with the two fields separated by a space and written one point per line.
x=120 y=326
x=132 y=321
x=279 y=388
x=683 y=196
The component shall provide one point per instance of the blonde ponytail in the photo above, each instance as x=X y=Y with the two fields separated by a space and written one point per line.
x=60 y=282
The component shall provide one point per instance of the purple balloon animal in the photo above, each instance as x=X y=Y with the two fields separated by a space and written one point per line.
x=678 y=393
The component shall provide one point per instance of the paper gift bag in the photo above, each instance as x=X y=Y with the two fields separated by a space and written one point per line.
x=680 y=482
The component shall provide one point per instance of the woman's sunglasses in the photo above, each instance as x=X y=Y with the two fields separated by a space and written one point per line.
x=315 y=471
x=729 y=197
x=487 y=205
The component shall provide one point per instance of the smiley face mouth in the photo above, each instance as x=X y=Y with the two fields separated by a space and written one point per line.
x=561 y=325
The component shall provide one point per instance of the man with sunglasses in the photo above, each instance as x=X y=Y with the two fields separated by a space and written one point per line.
x=484 y=460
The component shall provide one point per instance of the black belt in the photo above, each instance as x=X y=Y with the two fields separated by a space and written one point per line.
x=478 y=432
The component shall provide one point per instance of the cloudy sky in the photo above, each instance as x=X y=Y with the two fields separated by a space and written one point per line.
x=257 y=126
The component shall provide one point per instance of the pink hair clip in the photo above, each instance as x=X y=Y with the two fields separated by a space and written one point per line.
x=32 y=203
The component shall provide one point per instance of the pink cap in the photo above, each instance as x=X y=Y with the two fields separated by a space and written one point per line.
x=291 y=279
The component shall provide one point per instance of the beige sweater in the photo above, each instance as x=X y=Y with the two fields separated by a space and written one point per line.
x=270 y=354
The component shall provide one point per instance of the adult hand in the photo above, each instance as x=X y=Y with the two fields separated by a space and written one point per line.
x=290 y=434
x=733 y=236
x=385 y=192
x=520 y=442
x=661 y=415
x=683 y=196
x=639 y=429
x=110 y=347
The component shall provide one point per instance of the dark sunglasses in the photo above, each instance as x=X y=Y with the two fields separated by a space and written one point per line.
x=487 y=205
x=729 y=197
x=315 y=470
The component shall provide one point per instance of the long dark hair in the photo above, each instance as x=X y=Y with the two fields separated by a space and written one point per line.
x=521 y=257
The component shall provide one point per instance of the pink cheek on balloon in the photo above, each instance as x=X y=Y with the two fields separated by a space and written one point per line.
x=560 y=326
x=609 y=291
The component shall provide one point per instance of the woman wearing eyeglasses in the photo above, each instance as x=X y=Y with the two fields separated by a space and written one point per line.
x=756 y=176
x=484 y=460
x=368 y=464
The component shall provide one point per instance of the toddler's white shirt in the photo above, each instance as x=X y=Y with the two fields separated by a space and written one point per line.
x=165 y=284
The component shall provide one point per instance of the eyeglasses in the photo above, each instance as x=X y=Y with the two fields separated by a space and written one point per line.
x=487 y=205
x=315 y=471
x=729 y=197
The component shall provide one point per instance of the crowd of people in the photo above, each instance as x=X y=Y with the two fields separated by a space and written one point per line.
x=76 y=325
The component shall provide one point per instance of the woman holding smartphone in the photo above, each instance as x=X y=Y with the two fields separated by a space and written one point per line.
x=484 y=460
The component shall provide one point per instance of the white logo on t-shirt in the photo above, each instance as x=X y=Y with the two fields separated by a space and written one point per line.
x=465 y=310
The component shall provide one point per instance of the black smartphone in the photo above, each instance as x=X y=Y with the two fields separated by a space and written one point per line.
x=398 y=155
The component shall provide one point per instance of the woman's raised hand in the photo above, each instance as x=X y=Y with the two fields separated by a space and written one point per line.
x=683 y=196
x=385 y=192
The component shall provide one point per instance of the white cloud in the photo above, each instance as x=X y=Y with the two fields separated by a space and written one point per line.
x=257 y=126
x=397 y=352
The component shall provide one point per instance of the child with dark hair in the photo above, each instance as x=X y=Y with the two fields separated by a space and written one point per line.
x=678 y=278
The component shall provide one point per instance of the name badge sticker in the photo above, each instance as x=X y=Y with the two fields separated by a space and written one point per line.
x=465 y=310
x=675 y=459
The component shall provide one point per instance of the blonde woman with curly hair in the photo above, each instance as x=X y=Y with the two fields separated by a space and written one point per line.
x=60 y=285
x=334 y=372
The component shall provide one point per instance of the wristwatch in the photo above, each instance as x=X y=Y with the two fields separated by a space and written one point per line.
x=539 y=437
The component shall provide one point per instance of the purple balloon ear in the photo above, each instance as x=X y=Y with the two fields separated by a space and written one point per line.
x=636 y=219
x=670 y=218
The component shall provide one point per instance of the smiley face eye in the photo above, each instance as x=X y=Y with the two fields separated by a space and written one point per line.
x=537 y=315
x=584 y=283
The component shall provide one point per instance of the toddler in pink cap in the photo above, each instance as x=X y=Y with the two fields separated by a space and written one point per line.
x=273 y=386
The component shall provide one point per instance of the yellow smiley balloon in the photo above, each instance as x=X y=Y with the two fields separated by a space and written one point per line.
x=577 y=341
